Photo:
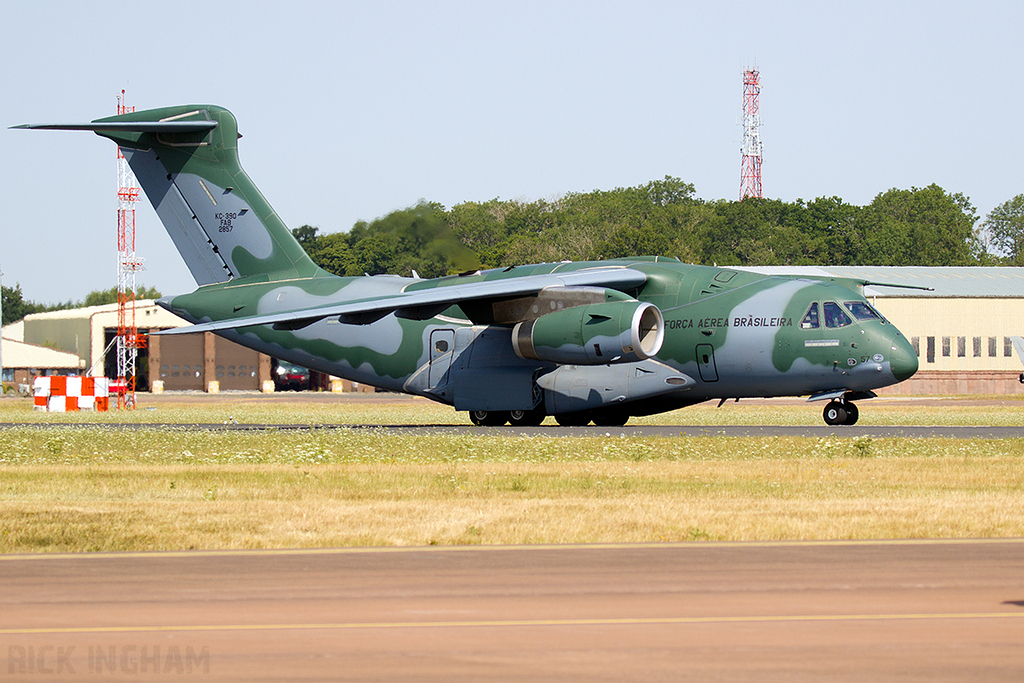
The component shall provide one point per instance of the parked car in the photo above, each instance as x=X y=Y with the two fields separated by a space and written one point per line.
x=290 y=377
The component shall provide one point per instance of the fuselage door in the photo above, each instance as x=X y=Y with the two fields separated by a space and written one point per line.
x=706 y=362
x=442 y=348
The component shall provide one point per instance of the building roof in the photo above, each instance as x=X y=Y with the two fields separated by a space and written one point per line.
x=147 y=314
x=86 y=311
x=962 y=282
x=15 y=331
x=18 y=354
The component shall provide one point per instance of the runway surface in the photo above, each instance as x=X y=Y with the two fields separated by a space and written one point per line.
x=872 y=432
x=838 y=611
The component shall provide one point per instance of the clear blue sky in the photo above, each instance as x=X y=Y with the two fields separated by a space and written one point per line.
x=353 y=109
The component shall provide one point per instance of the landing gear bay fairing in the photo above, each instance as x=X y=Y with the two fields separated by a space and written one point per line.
x=583 y=342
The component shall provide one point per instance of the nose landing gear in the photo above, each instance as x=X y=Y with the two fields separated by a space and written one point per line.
x=841 y=413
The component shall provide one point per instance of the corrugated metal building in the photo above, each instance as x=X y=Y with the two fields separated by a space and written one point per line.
x=185 y=362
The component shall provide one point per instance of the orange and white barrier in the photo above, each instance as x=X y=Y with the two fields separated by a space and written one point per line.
x=63 y=394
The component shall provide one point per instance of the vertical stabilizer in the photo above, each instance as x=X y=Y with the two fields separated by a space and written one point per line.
x=186 y=159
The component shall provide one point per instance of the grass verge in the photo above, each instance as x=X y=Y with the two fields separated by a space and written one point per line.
x=124 y=490
x=345 y=409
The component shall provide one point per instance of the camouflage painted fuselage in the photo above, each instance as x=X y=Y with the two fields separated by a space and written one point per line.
x=730 y=333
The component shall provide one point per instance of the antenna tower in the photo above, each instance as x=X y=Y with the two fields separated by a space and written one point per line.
x=750 y=170
x=128 y=339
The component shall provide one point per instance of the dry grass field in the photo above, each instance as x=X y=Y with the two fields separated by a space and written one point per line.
x=116 y=489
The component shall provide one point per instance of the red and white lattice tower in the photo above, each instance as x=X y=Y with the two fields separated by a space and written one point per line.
x=750 y=171
x=128 y=339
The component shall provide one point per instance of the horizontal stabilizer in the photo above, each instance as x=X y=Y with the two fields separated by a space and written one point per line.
x=127 y=127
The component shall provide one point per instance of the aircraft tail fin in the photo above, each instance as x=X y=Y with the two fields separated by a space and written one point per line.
x=186 y=160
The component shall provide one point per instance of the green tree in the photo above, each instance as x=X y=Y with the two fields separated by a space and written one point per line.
x=918 y=227
x=333 y=253
x=759 y=232
x=1004 y=226
x=109 y=296
x=669 y=191
x=15 y=306
x=418 y=239
x=306 y=235
x=833 y=226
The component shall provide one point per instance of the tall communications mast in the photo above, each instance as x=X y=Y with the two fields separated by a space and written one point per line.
x=128 y=340
x=750 y=171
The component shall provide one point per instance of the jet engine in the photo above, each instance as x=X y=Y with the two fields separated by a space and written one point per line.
x=596 y=334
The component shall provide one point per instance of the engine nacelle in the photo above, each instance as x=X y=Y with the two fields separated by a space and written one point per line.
x=597 y=334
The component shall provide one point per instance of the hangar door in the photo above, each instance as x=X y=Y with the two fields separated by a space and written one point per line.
x=181 y=362
x=237 y=367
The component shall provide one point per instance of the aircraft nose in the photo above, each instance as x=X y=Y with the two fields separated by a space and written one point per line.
x=902 y=359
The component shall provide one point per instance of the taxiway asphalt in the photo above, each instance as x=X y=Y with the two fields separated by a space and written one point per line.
x=840 y=611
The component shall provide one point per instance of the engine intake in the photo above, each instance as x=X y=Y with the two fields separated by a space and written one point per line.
x=597 y=334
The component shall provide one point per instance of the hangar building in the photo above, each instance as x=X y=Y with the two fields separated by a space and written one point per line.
x=185 y=362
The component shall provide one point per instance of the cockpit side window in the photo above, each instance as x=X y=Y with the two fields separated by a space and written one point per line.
x=810 y=321
x=834 y=315
x=862 y=310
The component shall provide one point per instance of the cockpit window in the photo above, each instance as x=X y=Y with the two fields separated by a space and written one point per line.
x=834 y=315
x=862 y=310
x=810 y=321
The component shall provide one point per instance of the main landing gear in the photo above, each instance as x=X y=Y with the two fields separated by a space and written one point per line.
x=841 y=413
x=533 y=418
x=601 y=418
x=517 y=418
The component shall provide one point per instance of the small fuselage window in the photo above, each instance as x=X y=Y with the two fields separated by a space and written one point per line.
x=810 y=321
x=862 y=310
x=834 y=315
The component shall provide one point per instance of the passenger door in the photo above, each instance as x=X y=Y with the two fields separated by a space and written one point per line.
x=442 y=348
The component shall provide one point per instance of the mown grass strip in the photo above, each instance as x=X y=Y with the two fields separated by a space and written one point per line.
x=245 y=491
x=331 y=409
x=110 y=489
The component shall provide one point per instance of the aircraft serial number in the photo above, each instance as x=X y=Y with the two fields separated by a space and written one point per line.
x=225 y=220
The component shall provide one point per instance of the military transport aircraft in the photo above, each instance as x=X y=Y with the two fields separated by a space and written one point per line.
x=583 y=342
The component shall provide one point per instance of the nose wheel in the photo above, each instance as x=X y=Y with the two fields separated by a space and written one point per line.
x=841 y=413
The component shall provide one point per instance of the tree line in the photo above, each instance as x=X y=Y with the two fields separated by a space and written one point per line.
x=16 y=306
x=917 y=227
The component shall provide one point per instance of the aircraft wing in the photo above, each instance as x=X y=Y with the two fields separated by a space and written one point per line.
x=425 y=303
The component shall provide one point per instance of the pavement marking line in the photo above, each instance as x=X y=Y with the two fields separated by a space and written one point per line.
x=694 y=545
x=518 y=623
